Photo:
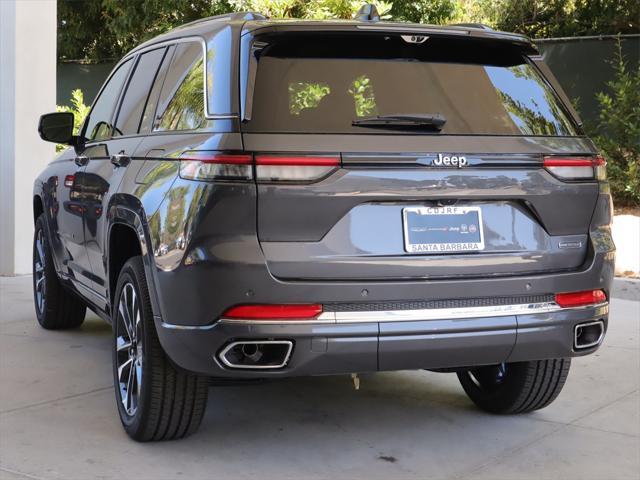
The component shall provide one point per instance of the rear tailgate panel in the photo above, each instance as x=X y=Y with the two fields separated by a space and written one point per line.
x=349 y=225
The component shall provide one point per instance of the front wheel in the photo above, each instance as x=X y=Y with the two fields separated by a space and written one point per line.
x=155 y=400
x=56 y=307
x=515 y=387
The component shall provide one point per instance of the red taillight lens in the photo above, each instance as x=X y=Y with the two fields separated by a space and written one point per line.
x=579 y=299
x=201 y=165
x=68 y=181
x=577 y=168
x=295 y=168
x=274 y=312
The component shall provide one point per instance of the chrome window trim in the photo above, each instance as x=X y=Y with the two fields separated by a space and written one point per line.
x=208 y=115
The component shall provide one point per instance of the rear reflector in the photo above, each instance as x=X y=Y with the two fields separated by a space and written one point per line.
x=577 y=168
x=274 y=312
x=201 y=165
x=295 y=168
x=579 y=299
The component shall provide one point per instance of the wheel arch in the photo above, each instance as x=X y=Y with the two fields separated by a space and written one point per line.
x=127 y=236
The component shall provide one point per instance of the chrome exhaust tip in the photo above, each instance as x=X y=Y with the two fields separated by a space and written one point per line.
x=588 y=335
x=256 y=354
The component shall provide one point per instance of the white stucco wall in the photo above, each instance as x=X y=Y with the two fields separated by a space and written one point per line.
x=27 y=90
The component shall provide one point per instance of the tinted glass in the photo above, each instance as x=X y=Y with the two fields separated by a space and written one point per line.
x=497 y=94
x=181 y=104
x=137 y=92
x=152 y=101
x=98 y=125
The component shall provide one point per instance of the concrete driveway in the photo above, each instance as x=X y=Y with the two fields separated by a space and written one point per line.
x=58 y=417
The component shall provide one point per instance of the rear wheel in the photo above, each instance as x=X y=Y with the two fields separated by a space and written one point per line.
x=515 y=387
x=56 y=307
x=155 y=400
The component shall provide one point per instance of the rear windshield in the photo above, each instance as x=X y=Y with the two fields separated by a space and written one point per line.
x=482 y=91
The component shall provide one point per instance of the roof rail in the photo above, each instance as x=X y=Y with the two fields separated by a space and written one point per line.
x=247 y=16
x=368 y=13
x=480 y=26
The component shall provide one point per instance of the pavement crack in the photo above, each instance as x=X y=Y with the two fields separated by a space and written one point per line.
x=18 y=473
x=59 y=399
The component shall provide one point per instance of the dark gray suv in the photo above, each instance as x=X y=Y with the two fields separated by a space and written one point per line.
x=252 y=199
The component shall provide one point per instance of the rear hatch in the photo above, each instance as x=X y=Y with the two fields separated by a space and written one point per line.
x=385 y=156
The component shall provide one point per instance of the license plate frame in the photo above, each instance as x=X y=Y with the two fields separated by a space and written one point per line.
x=443 y=214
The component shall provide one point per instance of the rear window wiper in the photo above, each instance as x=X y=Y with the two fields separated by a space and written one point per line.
x=403 y=121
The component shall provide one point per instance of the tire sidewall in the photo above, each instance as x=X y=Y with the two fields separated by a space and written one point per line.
x=135 y=423
x=498 y=399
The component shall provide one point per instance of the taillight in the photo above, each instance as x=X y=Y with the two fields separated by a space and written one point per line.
x=201 y=165
x=274 y=312
x=295 y=168
x=68 y=181
x=577 y=168
x=580 y=299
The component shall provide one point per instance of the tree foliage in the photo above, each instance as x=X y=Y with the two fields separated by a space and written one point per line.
x=96 y=30
x=562 y=18
x=618 y=131
x=79 y=110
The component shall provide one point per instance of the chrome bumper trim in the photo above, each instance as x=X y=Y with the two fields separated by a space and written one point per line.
x=417 y=315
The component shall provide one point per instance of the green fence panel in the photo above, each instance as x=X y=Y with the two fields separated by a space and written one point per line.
x=583 y=66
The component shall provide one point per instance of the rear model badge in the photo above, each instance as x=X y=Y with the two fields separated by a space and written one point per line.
x=576 y=244
x=450 y=161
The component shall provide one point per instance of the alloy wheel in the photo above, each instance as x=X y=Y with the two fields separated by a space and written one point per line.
x=129 y=349
x=490 y=377
x=40 y=279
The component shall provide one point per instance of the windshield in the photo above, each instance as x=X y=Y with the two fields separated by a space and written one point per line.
x=325 y=95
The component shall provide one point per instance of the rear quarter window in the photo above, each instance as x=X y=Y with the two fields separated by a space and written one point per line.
x=181 y=105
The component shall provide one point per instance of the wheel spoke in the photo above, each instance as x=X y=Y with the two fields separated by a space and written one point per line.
x=138 y=369
x=130 y=387
x=122 y=368
x=39 y=247
x=122 y=344
x=124 y=314
x=132 y=312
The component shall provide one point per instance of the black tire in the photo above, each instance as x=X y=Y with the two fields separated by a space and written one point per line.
x=165 y=403
x=515 y=387
x=56 y=307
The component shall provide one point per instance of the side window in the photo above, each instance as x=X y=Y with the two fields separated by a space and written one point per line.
x=137 y=92
x=152 y=101
x=181 y=103
x=98 y=124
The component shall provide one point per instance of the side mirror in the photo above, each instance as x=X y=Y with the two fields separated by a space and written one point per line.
x=57 y=128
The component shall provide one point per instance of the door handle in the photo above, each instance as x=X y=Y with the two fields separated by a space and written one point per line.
x=81 y=160
x=120 y=160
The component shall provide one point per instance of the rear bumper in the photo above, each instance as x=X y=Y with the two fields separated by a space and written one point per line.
x=336 y=347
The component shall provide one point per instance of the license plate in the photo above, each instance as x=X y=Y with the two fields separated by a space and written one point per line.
x=442 y=229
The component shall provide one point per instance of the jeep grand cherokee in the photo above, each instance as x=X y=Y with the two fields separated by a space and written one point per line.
x=253 y=199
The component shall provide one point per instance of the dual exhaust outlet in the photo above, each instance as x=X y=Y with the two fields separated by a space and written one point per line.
x=256 y=354
x=588 y=335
